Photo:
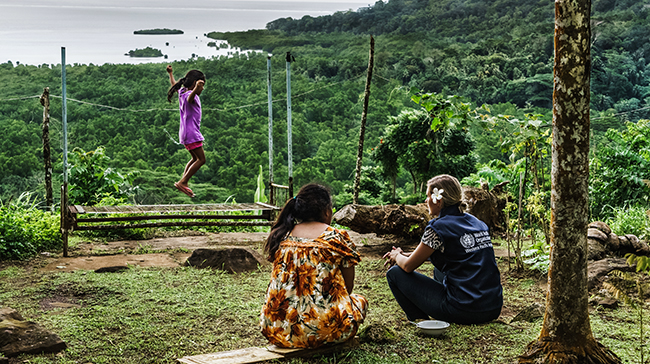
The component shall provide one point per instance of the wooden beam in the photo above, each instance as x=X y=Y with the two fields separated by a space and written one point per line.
x=256 y=354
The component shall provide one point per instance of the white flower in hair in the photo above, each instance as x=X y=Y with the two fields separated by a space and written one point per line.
x=436 y=195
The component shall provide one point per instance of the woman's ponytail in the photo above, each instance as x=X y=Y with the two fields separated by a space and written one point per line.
x=312 y=203
x=280 y=229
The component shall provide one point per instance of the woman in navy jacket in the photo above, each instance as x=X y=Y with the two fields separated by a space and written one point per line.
x=466 y=286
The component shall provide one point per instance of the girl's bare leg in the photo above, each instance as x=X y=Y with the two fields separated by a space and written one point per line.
x=198 y=159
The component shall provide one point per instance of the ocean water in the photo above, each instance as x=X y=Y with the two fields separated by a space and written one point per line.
x=101 y=31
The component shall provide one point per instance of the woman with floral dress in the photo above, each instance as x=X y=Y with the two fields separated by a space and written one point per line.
x=309 y=301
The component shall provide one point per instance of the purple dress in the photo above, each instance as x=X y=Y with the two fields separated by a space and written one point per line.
x=190 y=117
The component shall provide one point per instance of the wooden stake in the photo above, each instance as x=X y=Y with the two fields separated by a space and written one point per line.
x=45 y=101
x=364 y=115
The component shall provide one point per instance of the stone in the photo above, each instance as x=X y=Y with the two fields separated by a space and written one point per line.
x=597 y=270
x=112 y=269
x=613 y=242
x=596 y=250
x=230 y=259
x=7 y=313
x=624 y=242
x=644 y=249
x=18 y=336
x=597 y=234
x=634 y=241
x=611 y=303
x=530 y=313
x=600 y=226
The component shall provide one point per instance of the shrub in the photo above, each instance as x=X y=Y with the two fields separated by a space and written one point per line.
x=25 y=230
x=630 y=220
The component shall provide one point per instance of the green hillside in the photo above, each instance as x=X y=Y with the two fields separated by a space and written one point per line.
x=494 y=52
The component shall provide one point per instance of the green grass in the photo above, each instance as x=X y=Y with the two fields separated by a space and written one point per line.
x=155 y=315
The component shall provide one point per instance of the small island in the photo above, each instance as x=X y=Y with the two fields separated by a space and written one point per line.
x=158 y=31
x=146 y=52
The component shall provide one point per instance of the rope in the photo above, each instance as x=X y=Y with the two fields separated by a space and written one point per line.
x=176 y=109
x=621 y=113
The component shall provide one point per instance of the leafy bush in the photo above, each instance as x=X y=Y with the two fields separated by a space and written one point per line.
x=618 y=172
x=537 y=257
x=25 y=230
x=92 y=180
x=630 y=220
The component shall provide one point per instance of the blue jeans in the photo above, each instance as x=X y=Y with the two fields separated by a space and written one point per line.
x=422 y=297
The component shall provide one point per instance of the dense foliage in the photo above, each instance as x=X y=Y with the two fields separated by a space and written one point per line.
x=620 y=172
x=25 y=229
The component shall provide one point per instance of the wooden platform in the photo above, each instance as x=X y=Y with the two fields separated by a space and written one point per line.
x=257 y=354
x=95 y=217
x=77 y=217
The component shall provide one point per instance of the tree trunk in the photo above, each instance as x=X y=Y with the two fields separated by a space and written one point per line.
x=566 y=335
x=364 y=115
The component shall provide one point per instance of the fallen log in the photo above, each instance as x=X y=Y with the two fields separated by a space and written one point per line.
x=409 y=221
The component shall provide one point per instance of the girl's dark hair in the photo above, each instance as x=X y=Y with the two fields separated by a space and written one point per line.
x=187 y=82
x=312 y=203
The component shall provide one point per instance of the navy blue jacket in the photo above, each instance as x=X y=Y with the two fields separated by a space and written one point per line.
x=471 y=276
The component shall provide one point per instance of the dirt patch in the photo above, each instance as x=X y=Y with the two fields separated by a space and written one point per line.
x=95 y=262
x=174 y=251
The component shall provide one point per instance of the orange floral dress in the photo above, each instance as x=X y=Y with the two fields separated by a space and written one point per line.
x=307 y=304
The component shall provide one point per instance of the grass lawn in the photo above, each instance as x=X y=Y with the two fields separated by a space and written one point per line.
x=156 y=315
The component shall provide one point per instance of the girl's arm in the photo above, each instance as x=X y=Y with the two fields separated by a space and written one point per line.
x=171 y=75
x=198 y=88
x=409 y=261
x=348 y=277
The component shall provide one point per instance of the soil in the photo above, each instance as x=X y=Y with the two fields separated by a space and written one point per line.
x=174 y=251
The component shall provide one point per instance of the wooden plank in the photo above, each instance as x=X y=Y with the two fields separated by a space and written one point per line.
x=179 y=223
x=240 y=356
x=139 y=209
x=256 y=355
x=172 y=217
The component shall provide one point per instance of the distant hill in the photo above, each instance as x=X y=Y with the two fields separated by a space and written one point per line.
x=491 y=51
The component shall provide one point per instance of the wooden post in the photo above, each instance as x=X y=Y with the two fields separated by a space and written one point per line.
x=364 y=115
x=45 y=101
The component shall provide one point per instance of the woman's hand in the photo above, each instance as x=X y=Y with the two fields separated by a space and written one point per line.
x=391 y=256
x=169 y=68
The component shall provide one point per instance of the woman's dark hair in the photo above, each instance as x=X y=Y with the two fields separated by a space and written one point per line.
x=312 y=203
x=187 y=82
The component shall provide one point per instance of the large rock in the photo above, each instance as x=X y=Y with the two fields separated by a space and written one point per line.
x=600 y=226
x=612 y=242
x=597 y=234
x=603 y=242
x=596 y=250
x=597 y=270
x=18 y=336
x=230 y=259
